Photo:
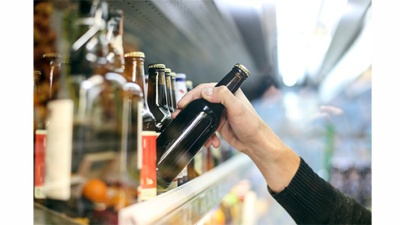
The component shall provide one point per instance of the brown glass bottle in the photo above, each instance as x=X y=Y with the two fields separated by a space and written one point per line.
x=187 y=133
x=134 y=72
x=51 y=72
x=157 y=95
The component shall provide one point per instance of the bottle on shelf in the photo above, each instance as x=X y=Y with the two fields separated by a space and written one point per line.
x=186 y=134
x=134 y=72
x=157 y=96
x=102 y=124
x=180 y=86
x=46 y=88
x=173 y=88
x=51 y=72
x=168 y=85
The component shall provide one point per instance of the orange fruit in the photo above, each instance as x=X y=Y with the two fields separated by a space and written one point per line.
x=95 y=190
x=218 y=217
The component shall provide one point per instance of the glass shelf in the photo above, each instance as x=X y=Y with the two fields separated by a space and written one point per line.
x=188 y=203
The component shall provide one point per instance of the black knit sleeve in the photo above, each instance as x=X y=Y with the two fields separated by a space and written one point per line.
x=309 y=199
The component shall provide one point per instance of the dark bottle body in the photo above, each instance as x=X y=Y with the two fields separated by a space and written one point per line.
x=187 y=133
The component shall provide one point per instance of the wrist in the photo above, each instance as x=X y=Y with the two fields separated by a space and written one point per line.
x=277 y=162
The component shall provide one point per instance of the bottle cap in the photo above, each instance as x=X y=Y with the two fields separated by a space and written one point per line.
x=167 y=70
x=173 y=74
x=51 y=55
x=156 y=66
x=181 y=75
x=136 y=54
x=243 y=69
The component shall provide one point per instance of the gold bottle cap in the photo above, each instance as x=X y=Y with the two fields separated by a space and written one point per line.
x=167 y=70
x=243 y=68
x=51 y=55
x=156 y=66
x=173 y=74
x=136 y=54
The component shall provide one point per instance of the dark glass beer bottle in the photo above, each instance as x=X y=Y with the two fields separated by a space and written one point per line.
x=134 y=72
x=168 y=84
x=173 y=87
x=157 y=100
x=187 y=133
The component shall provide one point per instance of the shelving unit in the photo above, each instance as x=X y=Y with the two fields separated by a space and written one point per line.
x=188 y=203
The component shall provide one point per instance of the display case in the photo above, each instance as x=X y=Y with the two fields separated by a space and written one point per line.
x=186 y=204
x=197 y=38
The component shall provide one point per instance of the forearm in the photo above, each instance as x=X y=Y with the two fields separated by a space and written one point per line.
x=276 y=161
x=311 y=200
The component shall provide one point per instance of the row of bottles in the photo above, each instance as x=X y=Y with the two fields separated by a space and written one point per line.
x=104 y=137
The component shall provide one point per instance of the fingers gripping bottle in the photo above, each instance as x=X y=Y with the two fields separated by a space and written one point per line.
x=187 y=133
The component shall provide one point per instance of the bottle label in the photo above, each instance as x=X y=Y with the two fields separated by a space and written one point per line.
x=180 y=89
x=148 y=179
x=40 y=146
x=59 y=149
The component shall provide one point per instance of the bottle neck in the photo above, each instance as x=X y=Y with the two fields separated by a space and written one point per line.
x=233 y=80
x=114 y=38
x=168 y=83
x=88 y=60
x=157 y=98
x=174 y=103
x=52 y=72
x=156 y=89
x=134 y=72
x=162 y=91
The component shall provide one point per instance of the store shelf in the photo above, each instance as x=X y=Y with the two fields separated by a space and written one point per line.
x=43 y=215
x=188 y=203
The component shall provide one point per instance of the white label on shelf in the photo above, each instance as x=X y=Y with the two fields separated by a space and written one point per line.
x=59 y=149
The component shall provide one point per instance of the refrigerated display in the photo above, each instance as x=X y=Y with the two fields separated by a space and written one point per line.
x=226 y=191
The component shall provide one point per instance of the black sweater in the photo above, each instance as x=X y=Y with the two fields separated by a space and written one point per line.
x=309 y=199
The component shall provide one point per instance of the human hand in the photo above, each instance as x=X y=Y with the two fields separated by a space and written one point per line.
x=240 y=124
x=245 y=131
